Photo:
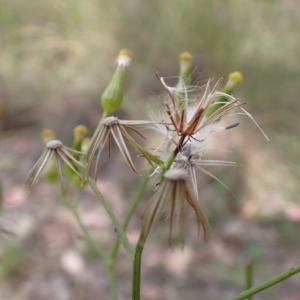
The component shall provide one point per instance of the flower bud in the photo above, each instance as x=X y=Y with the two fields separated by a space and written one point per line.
x=84 y=149
x=185 y=70
x=184 y=81
x=112 y=97
x=50 y=173
x=85 y=145
x=80 y=132
x=234 y=79
x=47 y=135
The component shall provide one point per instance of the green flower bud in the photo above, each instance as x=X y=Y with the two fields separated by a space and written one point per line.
x=80 y=132
x=85 y=145
x=72 y=177
x=184 y=81
x=47 y=135
x=185 y=70
x=234 y=79
x=112 y=97
x=50 y=173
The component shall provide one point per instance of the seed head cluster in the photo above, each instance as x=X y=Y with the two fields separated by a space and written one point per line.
x=189 y=121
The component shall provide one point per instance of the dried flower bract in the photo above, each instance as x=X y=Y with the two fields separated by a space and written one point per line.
x=113 y=127
x=59 y=151
x=175 y=192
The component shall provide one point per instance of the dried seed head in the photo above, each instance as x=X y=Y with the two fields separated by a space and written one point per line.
x=111 y=121
x=116 y=129
x=54 y=144
x=176 y=174
x=54 y=153
x=176 y=193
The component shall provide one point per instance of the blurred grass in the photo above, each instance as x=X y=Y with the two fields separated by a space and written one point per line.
x=54 y=42
x=56 y=51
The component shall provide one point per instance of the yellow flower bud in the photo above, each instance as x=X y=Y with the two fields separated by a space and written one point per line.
x=124 y=57
x=47 y=135
x=234 y=79
x=112 y=97
x=184 y=81
x=80 y=132
x=185 y=56
x=85 y=145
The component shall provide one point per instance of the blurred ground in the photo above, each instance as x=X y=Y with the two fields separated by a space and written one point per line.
x=56 y=58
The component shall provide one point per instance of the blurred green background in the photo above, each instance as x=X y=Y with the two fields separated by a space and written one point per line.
x=57 y=56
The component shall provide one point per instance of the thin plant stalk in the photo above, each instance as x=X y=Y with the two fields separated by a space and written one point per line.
x=136 y=276
x=120 y=232
x=249 y=277
x=172 y=157
x=267 y=284
x=129 y=215
x=100 y=124
x=137 y=260
x=91 y=242
x=101 y=252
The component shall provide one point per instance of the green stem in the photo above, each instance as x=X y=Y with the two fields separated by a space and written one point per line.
x=97 y=129
x=120 y=232
x=268 y=283
x=136 y=277
x=137 y=261
x=88 y=237
x=112 y=282
x=101 y=252
x=167 y=165
x=130 y=213
x=249 y=277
